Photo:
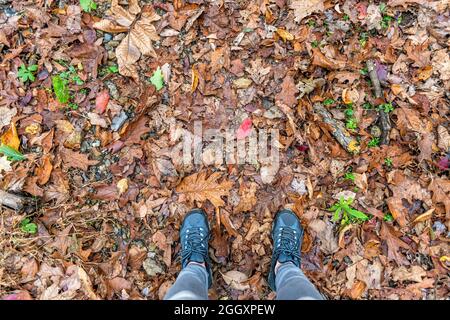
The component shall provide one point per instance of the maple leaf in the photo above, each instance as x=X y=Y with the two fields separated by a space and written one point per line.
x=140 y=35
x=303 y=8
x=197 y=187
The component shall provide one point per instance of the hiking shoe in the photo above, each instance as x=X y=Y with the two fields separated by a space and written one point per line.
x=287 y=235
x=194 y=236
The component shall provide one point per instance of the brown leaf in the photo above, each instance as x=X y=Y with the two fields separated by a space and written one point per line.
x=197 y=187
x=44 y=171
x=236 y=280
x=247 y=193
x=399 y=212
x=303 y=8
x=288 y=93
x=319 y=59
x=394 y=244
x=441 y=192
x=76 y=159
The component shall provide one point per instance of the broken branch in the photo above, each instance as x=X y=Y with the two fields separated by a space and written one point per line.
x=385 y=122
x=339 y=131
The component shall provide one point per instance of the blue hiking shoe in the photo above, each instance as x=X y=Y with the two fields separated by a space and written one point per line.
x=287 y=235
x=194 y=236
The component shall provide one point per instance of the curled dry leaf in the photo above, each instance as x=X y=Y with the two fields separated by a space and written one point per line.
x=236 y=280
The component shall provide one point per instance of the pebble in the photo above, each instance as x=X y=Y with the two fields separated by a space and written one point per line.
x=107 y=37
x=118 y=121
x=113 y=90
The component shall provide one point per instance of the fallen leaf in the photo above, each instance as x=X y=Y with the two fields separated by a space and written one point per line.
x=303 y=8
x=197 y=187
x=101 y=101
x=236 y=280
x=288 y=93
x=44 y=171
x=285 y=35
x=10 y=137
x=244 y=129
x=6 y=114
x=76 y=160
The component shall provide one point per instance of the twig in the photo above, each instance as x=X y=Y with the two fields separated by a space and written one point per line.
x=12 y=201
x=338 y=129
x=385 y=122
x=374 y=78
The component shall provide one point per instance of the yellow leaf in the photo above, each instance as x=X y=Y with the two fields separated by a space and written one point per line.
x=122 y=185
x=353 y=146
x=285 y=35
x=194 y=82
x=10 y=137
x=197 y=187
x=33 y=128
x=424 y=216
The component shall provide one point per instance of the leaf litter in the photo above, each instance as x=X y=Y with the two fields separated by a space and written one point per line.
x=90 y=93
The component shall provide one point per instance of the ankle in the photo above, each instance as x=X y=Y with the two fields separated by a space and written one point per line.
x=202 y=264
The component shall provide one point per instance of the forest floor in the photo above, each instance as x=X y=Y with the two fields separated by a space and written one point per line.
x=97 y=96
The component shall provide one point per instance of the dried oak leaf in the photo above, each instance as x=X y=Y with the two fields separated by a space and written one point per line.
x=288 y=93
x=141 y=33
x=303 y=8
x=76 y=159
x=441 y=192
x=197 y=187
x=394 y=244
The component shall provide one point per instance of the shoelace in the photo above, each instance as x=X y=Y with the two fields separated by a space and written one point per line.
x=288 y=243
x=194 y=243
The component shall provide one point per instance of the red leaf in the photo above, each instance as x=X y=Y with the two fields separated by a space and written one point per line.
x=245 y=129
x=101 y=101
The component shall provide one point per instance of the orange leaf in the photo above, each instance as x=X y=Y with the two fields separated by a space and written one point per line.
x=194 y=82
x=285 y=35
x=44 y=171
x=10 y=137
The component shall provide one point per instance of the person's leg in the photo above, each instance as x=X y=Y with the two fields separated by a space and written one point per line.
x=191 y=284
x=195 y=277
x=286 y=277
x=292 y=284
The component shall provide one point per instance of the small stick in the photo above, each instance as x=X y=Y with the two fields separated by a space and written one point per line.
x=12 y=201
x=374 y=78
x=385 y=122
x=339 y=131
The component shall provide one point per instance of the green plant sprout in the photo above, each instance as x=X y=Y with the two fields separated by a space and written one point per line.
x=374 y=142
x=367 y=106
x=328 y=102
x=388 y=162
x=363 y=37
x=349 y=176
x=27 y=73
x=88 y=5
x=351 y=124
x=388 y=217
x=315 y=44
x=26 y=226
x=386 y=107
x=342 y=210
x=11 y=154
x=71 y=75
